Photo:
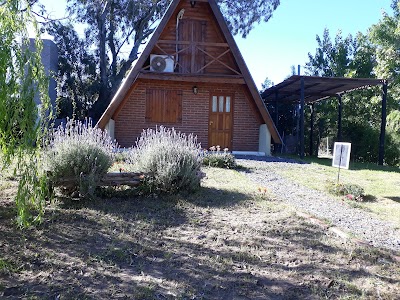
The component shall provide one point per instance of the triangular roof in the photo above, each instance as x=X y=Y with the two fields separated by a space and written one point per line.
x=132 y=76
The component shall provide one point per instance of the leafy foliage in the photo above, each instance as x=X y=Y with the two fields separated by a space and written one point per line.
x=356 y=57
x=350 y=191
x=242 y=15
x=22 y=77
x=331 y=59
x=77 y=78
x=81 y=152
x=171 y=160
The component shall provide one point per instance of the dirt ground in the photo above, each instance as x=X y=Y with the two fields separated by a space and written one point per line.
x=230 y=240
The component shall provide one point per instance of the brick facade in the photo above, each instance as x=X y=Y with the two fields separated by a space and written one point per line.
x=130 y=117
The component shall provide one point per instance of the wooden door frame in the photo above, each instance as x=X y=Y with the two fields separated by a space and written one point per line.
x=225 y=94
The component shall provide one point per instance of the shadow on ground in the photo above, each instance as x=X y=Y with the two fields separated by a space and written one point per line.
x=273 y=159
x=210 y=245
x=396 y=199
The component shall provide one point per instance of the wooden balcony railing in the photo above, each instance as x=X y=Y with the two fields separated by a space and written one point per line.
x=194 y=57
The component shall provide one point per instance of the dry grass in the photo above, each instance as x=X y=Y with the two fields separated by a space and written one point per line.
x=227 y=241
x=381 y=184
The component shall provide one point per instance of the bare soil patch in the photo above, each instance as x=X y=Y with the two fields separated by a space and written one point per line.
x=230 y=240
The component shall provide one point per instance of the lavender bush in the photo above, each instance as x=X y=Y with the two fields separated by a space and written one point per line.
x=81 y=152
x=170 y=159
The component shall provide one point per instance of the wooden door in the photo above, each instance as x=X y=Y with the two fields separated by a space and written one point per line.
x=191 y=59
x=220 y=121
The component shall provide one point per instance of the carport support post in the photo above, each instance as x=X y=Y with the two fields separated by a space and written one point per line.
x=276 y=110
x=312 y=129
x=302 y=117
x=383 y=125
x=340 y=108
x=279 y=146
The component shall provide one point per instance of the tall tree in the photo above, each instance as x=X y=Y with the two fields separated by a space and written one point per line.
x=385 y=36
x=115 y=29
x=331 y=59
x=77 y=77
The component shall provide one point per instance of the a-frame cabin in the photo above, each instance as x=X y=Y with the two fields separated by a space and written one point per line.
x=191 y=76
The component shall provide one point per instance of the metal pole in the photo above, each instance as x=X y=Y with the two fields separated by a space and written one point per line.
x=276 y=111
x=383 y=124
x=312 y=129
x=340 y=108
x=327 y=146
x=277 y=118
x=302 y=117
x=340 y=163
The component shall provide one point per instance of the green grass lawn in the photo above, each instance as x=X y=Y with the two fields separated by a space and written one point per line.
x=381 y=183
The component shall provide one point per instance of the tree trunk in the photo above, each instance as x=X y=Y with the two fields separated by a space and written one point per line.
x=110 y=80
x=103 y=100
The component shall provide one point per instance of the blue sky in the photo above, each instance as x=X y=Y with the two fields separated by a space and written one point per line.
x=285 y=40
x=272 y=48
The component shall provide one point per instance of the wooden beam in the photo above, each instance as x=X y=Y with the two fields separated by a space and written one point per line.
x=175 y=54
x=234 y=79
x=195 y=43
x=109 y=179
x=217 y=60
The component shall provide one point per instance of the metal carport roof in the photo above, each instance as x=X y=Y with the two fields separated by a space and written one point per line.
x=315 y=88
x=310 y=89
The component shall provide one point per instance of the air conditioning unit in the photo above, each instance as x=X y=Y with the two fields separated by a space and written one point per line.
x=161 y=63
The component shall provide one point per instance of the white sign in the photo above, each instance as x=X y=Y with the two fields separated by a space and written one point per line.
x=341 y=155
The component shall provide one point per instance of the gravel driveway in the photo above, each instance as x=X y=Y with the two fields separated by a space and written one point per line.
x=362 y=224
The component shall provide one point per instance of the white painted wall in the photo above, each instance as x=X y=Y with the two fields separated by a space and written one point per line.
x=264 y=142
x=110 y=128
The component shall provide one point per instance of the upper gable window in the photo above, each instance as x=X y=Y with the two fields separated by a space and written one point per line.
x=163 y=106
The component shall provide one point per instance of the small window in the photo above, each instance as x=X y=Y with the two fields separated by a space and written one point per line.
x=228 y=104
x=163 y=106
x=214 y=104
x=221 y=103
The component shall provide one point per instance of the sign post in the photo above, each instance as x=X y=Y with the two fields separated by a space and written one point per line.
x=341 y=156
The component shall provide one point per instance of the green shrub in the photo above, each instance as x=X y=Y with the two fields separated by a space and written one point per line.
x=220 y=159
x=80 y=152
x=171 y=160
x=350 y=191
x=365 y=146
